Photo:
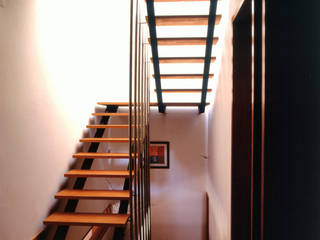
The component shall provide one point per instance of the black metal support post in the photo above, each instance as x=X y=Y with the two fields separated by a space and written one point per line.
x=154 y=47
x=207 y=60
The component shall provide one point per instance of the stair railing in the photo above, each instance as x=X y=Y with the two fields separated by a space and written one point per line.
x=139 y=102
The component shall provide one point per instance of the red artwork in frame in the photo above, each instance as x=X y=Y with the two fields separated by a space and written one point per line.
x=159 y=154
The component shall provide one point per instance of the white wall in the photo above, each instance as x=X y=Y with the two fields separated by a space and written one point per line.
x=57 y=58
x=219 y=139
x=178 y=207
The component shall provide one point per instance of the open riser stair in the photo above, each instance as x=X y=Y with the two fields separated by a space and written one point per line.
x=177 y=20
x=133 y=195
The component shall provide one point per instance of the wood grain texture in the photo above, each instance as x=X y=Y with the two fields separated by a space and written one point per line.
x=183 y=41
x=190 y=20
x=82 y=155
x=118 y=140
x=111 y=114
x=182 y=76
x=153 y=104
x=183 y=90
x=109 y=126
x=183 y=0
x=120 y=104
x=97 y=173
x=87 y=219
x=93 y=194
x=183 y=59
x=184 y=104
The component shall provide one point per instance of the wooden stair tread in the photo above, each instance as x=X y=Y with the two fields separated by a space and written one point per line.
x=168 y=104
x=182 y=76
x=109 y=126
x=93 y=194
x=81 y=155
x=181 y=0
x=190 y=20
x=111 y=114
x=122 y=104
x=184 y=104
x=87 y=219
x=183 y=41
x=183 y=59
x=114 y=103
x=122 y=140
x=97 y=173
x=182 y=90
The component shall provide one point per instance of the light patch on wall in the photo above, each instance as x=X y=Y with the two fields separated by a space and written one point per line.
x=81 y=50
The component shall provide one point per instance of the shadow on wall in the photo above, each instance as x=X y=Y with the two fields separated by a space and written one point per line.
x=178 y=198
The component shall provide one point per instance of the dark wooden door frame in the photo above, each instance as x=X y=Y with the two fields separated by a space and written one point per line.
x=242 y=122
x=257 y=120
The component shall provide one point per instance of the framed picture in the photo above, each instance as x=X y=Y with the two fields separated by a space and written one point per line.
x=159 y=154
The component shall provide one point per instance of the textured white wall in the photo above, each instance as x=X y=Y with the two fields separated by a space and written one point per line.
x=178 y=205
x=219 y=138
x=57 y=58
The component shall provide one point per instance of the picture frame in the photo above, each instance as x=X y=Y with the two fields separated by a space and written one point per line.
x=159 y=156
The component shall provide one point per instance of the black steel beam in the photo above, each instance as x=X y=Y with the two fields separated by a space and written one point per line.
x=154 y=47
x=207 y=60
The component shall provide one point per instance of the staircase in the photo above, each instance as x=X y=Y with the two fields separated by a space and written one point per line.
x=134 y=198
x=71 y=218
x=156 y=22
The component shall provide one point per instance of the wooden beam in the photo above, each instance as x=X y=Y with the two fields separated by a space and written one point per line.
x=183 y=90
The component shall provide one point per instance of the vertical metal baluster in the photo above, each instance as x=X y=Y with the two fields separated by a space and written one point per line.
x=148 y=149
x=143 y=140
x=146 y=137
x=147 y=140
x=130 y=116
x=135 y=121
x=141 y=134
x=139 y=131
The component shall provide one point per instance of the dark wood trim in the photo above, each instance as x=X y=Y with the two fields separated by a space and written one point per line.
x=242 y=122
x=258 y=127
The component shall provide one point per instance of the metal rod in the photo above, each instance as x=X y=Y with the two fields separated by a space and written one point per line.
x=148 y=149
x=139 y=126
x=141 y=131
x=135 y=124
x=143 y=137
x=139 y=109
x=130 y=116
x=146 y=142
